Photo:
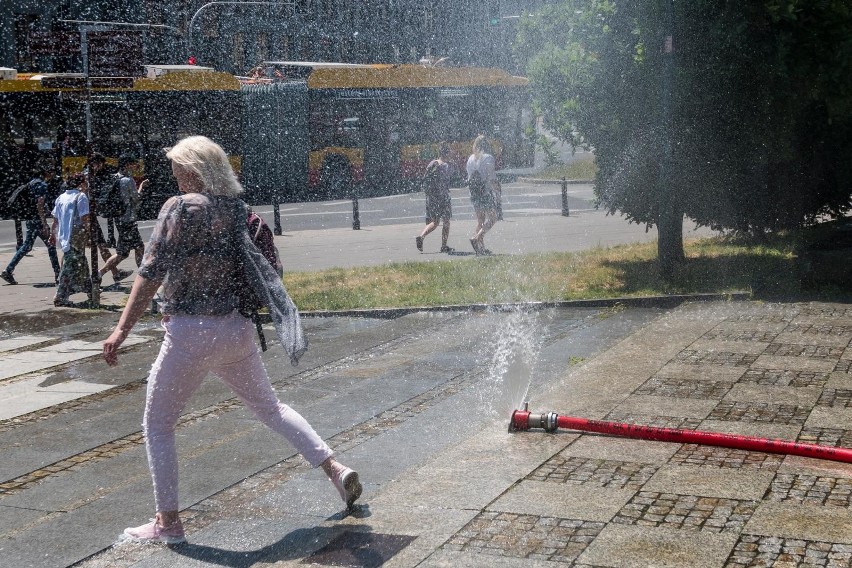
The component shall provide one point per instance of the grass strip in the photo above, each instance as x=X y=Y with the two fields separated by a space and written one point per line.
x=715 y=265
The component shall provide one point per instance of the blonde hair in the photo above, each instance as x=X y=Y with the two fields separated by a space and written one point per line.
x=481 y=146
x=207 y=160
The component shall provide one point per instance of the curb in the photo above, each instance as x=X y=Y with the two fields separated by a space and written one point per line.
x=540 y=181
x=630 y=302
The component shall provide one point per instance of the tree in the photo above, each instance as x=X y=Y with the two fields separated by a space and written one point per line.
x=761 y=94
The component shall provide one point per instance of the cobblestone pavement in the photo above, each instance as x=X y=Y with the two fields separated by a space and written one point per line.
x=447 y=488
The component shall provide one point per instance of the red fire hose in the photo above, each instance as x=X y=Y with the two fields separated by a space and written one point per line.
x=550 y=422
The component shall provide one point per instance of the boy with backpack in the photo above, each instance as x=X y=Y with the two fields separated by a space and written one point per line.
x=29 y=201
x=121 y=200
x=100 y=180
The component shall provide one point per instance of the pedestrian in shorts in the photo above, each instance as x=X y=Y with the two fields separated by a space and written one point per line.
x=129 y=238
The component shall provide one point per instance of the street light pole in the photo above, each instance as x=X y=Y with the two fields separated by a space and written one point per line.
x=189 y=53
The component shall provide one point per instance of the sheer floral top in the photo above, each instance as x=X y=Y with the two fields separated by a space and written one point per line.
x=201 y=252
x=191 y=252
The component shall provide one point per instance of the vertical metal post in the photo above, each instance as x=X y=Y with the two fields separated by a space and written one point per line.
x=276 y=217
x=95 y=293
x=356 y=216
x=565 y=211
x=110 y=232
x=84 y=53
x=19 y=233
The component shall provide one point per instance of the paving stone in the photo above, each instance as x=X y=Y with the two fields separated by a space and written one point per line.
x=760 y=412
x=684 y=388
x=710 y=482
x=784 y=378
x=769 y=551
x=683 y=407
x=802 y=521
x=700 y=372
x=586 y=502
x=830 y=417
x=750 y=326
x=812 y=489
x=793 y=363
x=714 y=456
x=617 y=448
x=837 y=380
x=814 y=466
x=655 y=420
x=836 y=397
x=686 y=512
x=813 y=351
x=794 y=396
x=606 y=473
x=714 y=357
x=748 y=347
x=629 y=546
x=828 y=335
x=525 y=536
x=742 y=333
x=453 y=559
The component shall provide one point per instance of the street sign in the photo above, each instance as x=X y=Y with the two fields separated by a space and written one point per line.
x=54 y=43
x=115 y=54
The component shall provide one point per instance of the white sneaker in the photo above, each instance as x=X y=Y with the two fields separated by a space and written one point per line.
x=348 y=486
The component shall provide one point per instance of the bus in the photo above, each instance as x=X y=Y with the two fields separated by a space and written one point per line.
x=62 y=118
x=294 y=131
x=333 y=130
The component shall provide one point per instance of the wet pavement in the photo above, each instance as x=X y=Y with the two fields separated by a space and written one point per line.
x=419 y=404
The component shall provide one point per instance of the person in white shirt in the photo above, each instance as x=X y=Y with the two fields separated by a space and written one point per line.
x=70 y=232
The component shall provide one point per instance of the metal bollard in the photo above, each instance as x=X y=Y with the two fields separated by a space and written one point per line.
x=95 y=292
x=565 y=211
x=276 y=217
x=356 y=217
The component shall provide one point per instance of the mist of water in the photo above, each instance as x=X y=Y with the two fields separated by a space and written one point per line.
x=516 y=347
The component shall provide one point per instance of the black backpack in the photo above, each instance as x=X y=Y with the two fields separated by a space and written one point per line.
x=110 y=203
x=21 y=203
x=249 y=303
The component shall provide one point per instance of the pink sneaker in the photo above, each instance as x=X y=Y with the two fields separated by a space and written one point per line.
x=347 y=485
x=153 y=532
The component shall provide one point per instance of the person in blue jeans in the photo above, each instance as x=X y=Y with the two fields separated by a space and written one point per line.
x=36 y=225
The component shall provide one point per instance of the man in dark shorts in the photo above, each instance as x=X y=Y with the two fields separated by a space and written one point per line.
x=129 y=238
x=436 y=187
x=99 y=179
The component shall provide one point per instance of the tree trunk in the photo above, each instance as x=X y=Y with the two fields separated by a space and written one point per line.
x=669 y=239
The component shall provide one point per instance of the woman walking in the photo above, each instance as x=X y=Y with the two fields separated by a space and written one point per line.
x=484 y=191
x=200 y=236
x=436 y=187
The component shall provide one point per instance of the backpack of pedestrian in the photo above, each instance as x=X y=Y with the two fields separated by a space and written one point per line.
x=110 y=203
x=261 y=236
x=22 y=203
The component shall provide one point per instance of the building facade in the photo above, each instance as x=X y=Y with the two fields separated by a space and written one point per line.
x=233 y=37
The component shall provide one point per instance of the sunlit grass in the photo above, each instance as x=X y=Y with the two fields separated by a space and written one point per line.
x=580 y=169
x=712 y=266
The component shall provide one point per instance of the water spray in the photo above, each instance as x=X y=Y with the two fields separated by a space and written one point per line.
x=523 y=420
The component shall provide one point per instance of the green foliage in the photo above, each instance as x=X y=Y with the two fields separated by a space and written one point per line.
x=761 y=104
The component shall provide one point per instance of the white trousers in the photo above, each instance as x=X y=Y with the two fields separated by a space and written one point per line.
x=224 y=345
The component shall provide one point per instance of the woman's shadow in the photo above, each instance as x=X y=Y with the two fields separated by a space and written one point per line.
x=355 y=546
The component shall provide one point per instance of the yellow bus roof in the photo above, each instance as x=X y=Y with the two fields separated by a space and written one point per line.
x=175 y=81
x=410 y=76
